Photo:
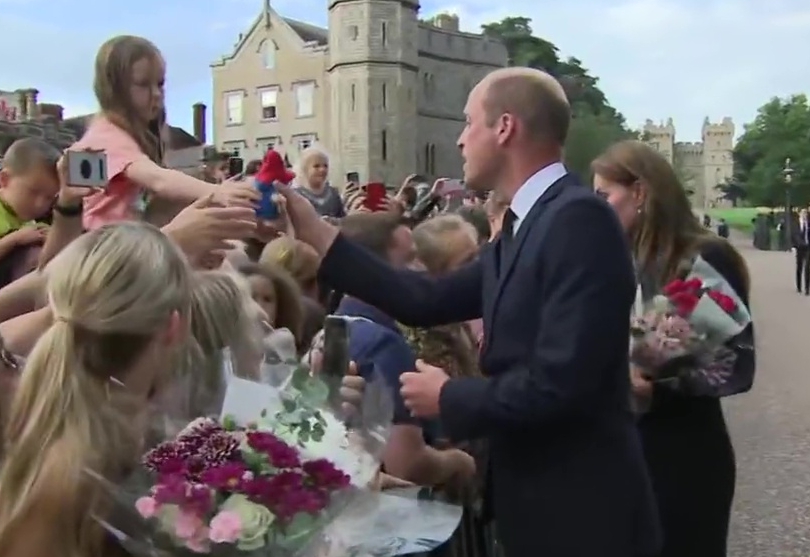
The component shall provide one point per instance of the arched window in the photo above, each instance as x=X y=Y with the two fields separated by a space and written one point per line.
x=267 y=50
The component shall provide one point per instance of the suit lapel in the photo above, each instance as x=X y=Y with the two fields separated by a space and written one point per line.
x=505 y=262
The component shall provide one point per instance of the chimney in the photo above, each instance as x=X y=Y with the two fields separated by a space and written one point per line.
x=199 y=122
x=31 y=104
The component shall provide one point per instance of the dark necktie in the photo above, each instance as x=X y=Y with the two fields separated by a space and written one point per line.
x=508 y=228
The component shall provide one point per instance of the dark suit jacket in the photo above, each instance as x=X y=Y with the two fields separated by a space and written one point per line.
x=568 y=474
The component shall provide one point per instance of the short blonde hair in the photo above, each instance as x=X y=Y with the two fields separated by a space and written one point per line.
x=297 y=258
x=111 y=292
x=429 y=238
x=305 y=160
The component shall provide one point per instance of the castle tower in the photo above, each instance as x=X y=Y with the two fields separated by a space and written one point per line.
x=661 y=136
x=372 y=75
x=718 y=162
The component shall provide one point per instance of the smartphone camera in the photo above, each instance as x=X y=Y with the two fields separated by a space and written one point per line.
x=87 y=169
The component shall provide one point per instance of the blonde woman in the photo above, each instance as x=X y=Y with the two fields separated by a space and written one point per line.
x=223 y=316
x=298 y=259
x=129 y=86
x=312 y=182
x=120 y=305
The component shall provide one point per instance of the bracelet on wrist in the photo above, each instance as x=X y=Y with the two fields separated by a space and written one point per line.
x=73 y=210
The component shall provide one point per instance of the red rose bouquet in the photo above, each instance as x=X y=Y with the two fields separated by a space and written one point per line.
x=683 y=332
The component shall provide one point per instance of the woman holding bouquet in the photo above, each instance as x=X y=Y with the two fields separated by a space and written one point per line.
x=686 y=442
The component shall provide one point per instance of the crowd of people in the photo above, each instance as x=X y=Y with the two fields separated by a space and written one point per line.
x=101 y=302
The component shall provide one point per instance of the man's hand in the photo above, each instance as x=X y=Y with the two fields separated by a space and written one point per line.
x=205 y=227
x=309 y=227
x=420 y=389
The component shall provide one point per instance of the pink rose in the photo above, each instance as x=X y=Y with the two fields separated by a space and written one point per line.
x=147 y=507
x=225 y=527
x=199 y=542
x=187 y=525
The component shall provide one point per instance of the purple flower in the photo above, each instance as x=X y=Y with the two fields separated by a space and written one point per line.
x=164 y=459
x=227 y=477
x=324 y=475
x=279 y=453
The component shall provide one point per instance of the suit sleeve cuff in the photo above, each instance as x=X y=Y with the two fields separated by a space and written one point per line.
x=462 y=407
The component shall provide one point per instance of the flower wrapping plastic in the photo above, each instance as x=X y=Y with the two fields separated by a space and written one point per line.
x=265 y=477
x=684 y=333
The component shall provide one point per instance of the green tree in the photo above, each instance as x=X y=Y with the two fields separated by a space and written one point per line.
x=595 y=124
x=780 y=131
x=731 y=191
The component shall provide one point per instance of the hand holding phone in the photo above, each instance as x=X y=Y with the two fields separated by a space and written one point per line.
x=335 y=360
x=86 y=169
x=375 y=196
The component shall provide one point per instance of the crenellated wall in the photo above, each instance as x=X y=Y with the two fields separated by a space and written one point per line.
x=701 y=165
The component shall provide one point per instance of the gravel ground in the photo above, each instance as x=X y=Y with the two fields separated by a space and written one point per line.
x=770 y=425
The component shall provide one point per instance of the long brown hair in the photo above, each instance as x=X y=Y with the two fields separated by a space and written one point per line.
x=112 y=84
x=667 y=231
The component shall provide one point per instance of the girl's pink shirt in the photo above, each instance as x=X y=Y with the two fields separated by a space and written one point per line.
x=122 y=199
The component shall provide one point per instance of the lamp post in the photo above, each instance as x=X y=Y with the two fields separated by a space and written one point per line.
x=787 y=174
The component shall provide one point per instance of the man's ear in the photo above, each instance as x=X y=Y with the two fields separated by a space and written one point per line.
x=4 y=177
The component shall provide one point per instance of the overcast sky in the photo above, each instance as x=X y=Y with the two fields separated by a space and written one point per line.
x=684 y=59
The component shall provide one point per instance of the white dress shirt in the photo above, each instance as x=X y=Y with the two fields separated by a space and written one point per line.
x=531 y=190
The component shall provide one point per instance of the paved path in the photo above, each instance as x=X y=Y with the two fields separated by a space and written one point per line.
x=770 y=425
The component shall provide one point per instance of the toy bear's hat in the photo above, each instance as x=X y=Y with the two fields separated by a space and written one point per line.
x=273 y=169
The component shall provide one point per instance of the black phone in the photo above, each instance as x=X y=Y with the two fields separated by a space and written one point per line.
x=335 y=346
x=353 y=177
x=236 y=165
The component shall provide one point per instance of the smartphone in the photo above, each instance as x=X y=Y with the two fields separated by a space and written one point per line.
x=375 y=196
x=236 y=165
x=87 y=169
x=335 y=346
x=452 y=187
x=353 y=177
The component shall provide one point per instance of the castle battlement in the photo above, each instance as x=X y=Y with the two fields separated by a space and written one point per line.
x=689 y=147
x=701 y=165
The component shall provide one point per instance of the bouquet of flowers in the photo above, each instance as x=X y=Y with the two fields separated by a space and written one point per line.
x=683 y=335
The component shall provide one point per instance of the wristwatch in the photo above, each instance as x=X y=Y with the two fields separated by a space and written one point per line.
x=69 y=210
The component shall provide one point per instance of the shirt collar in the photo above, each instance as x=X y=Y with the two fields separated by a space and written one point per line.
x=531 y=190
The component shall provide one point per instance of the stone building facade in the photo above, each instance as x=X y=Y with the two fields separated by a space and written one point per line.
x=702 y=165
x=381 y=91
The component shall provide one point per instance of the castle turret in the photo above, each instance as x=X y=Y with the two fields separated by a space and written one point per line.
x=373 y=76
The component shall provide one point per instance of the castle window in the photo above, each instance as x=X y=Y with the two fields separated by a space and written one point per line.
x=384 y=145
x=432 y=159
x=427 y=158
x=354 y=97
x=269 y=100
x=384 y=96
x=269 y=55
x=233 y=108
x=353 y=32
x=304 y=99
x=384 y=32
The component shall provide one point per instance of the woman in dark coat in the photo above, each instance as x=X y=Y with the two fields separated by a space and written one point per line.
x=686 y=443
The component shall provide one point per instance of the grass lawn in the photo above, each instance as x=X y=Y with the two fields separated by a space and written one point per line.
x=738 y=218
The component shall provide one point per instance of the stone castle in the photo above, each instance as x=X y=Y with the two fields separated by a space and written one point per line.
x=701 y=165
x=380 y=90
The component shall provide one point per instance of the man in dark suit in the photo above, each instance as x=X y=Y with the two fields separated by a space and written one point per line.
x=801 y=249
x=567 y=474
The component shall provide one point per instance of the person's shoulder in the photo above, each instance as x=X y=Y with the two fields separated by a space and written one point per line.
x=102 y=133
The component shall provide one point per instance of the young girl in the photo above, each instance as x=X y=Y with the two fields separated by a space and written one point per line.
x=277 y=293
x=129 y=82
